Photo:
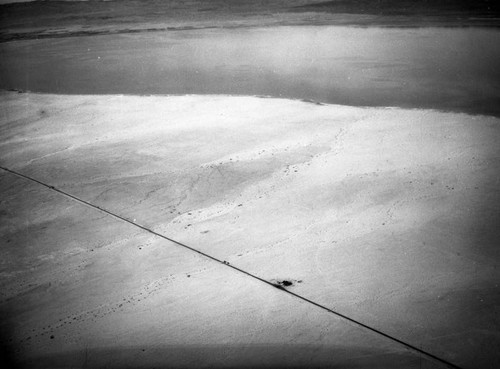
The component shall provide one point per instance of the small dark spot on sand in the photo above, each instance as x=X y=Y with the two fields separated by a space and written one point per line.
x=283 y=283
x=189 y=275
x=240 y=205
x=52 y=337
x=205 y=231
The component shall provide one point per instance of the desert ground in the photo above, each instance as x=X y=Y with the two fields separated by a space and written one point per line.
x=387 y=216
x=278 y=194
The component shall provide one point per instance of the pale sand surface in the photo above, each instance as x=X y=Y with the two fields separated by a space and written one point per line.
x=88 y=291
x=388 y=216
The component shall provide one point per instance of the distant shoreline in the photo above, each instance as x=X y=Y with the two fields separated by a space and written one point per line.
x=12 y=92
x=55 y=19
x=55 y=34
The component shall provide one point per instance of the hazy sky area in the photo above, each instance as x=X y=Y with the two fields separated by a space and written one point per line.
x=431 y=63
x=352 y=66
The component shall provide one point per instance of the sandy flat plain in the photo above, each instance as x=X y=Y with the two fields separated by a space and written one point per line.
x=224 y=230
x=386 y=215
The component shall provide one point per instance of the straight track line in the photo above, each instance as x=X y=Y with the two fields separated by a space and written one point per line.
x=225 y=263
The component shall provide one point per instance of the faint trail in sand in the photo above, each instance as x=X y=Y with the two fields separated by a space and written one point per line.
x=227 y=264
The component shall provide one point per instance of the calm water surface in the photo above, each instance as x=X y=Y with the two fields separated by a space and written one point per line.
x=445 y=68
